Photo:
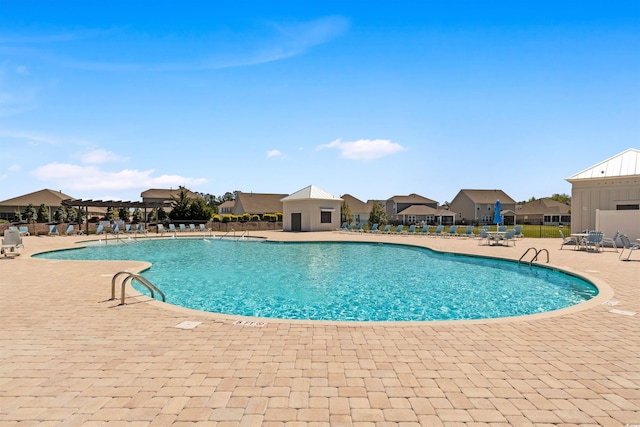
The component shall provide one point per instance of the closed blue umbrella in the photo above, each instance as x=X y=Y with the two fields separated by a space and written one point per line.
x=497 y=217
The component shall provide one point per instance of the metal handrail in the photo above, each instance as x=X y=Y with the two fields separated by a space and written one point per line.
x=133 y=276
x=535 y=256
x=225 y=234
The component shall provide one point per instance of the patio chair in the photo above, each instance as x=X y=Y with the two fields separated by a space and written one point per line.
x=192 y=228
x=161 y=229
x=627 y=245
x=140 y=229
x=69 y=230
x=518 y=234
x=172 y=228
x=204 y=229
x=611 y=241
x=343 y=227
x=484 y=237
x=100 y=229
x=425 y=230
x=183 y=228
x=12 y=242
x=438 y=231
x=509 y=236
x=386 y=229
x=24 y=231
x=411 y=230
x=53 y=230
x=594 y=240
x=469 y=231
x=374 y=228
x=568 y=240
x=398 y=230
x=453 y=231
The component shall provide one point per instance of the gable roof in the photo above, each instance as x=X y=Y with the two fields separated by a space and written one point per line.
x=425 y=210
x=311 y=193
x=487 y=196
x=260 y=202
x=412 y=198
x=46 y=196
x=166 y=194
x=626 y=163
x=543 y=206
x=357 y=205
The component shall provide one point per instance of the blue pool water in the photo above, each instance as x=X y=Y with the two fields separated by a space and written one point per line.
x=341 y=281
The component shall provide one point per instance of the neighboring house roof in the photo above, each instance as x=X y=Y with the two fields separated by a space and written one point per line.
x=166 y=194
x=543 y=206
x=412 y=199
x=229 y=204
x=311 y=193
x=259 y=202
x=46 y=196
x=626 y=163
x=487 y=196
x=357 y=205
x=425 y=210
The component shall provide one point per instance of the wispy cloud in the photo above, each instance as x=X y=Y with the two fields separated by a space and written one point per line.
x=275 y=153
x=364 y=149
x=277 y=41
x=91 y=178
x=99 y=155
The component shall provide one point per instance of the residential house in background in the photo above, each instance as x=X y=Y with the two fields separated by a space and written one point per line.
x=606 y=196
x=163 y=195
x=544 y=211
x=395 y=206
x=50 y=198
x=226 y=208
x=478 y=206
x=257 y=203
x=421 y=215
x=311 y=209
x=359 y=209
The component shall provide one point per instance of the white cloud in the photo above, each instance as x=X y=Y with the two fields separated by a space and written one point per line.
x=14 y=168
x=91 y=178
x=275 y=153
x=364 y=149
x=99 y=156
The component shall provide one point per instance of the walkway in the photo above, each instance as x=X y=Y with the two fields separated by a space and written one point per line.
x=70 y=357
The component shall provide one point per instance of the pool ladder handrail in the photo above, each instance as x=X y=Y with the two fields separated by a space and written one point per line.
x=133 y=276
x=535 y=257
x=234 y=234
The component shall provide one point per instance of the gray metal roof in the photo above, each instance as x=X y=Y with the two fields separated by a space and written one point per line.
x=626 y=163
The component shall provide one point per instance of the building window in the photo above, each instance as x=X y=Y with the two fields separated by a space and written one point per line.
x=412 y=219
x=631 y=207
x=325 y=217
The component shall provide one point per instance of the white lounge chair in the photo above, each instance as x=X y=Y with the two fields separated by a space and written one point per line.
x=12 y=242
x=626 y=245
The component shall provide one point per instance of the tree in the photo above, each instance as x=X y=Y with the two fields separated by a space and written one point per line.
x=124 y=214
x=137 y=215
x=60 y=215
x=109 y=214
x=377 y=215
x=43 y=213
x=17 y=216
x=345 y=213
x=562 y=198
x=161 y=214
x=199 y=210
x=180 y=205
x=30 y=214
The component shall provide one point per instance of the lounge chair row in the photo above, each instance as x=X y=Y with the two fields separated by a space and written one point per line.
x=440 y=230
x=181 y=228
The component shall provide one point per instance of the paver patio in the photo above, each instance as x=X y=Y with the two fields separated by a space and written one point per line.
x=68 y=356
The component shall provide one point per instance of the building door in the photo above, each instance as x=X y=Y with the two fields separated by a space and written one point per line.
x=296 y=221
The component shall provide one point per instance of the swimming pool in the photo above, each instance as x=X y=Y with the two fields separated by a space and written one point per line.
x=343 y=281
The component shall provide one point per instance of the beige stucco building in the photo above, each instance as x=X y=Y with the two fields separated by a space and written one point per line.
x=478 y=206
x=311 y=209
x=606 y=196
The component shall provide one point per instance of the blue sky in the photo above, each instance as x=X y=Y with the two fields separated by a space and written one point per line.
x=104 y=100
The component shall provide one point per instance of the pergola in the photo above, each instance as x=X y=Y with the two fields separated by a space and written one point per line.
x=79 y=203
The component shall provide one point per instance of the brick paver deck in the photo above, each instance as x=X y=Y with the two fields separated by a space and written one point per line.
x=68 y=356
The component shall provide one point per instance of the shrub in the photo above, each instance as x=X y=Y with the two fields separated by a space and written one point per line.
x=255 y=217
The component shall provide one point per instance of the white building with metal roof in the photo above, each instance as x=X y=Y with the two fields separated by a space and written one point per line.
x=606 y=196
x=311 y=209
